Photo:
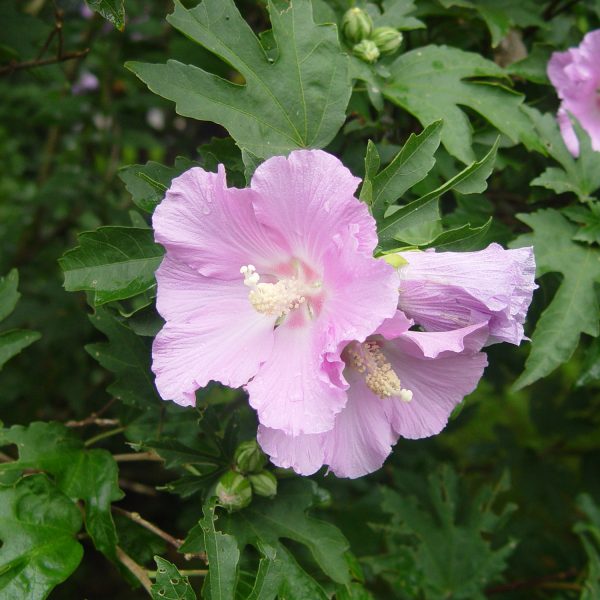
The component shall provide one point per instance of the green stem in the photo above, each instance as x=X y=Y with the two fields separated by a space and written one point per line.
x=103 y=435
x=183 y=572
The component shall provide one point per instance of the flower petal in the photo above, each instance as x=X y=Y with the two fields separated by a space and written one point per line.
x=212 y=333
x=292 y=390
x=213 y=228
x=309 y=198
x=568 y=132
x=443 y=290
x=303 y=453
x=362 y=437
x=438 y=384
x=361 y=293
x=360 y=441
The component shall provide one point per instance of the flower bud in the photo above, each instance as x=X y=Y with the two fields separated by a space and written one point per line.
x=387 y=39
x=367 y=50
x=264 y=484
x=356 y=25
x=249 y=458
x=234 y=491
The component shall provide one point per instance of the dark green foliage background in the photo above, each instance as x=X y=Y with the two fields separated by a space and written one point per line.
x=505 y=503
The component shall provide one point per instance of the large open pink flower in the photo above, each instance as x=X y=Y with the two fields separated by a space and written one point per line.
x=449 y=290
x=576 y=76
x=400 y=383
x=259 y=287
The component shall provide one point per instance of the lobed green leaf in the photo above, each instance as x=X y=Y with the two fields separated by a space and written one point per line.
x=296 y=99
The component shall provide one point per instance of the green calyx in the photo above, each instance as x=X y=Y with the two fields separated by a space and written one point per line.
x=367 y=50
x=264 y=484
x=387 y=39
x=233 y=491
x=249 y=458
x=356 y=25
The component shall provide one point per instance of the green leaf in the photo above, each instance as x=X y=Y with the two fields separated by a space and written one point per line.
x=589 y=220
x=88 y=475
x=170 y=583
x=446 y=528
x=148 y=183
x=471 y=180
x=113 y=262
x=461 y=239
x=590 y=371
x=13 y=341
x=409 y=166
x=533 y=67
x=397 y=13
x=223 y=557
x=38 y=548
x=176 y=454
x=501 y=16
x=266 y=521
x=226 y=152
x=296 y=100
x=112 y=10
x=574 y=308
x=9 y=295
x=430 y=83
x=579 y=176
x=127 y=356
x=589 y=535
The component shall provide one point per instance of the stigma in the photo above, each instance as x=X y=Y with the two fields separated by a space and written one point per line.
x=370 y=361
x=273 y=299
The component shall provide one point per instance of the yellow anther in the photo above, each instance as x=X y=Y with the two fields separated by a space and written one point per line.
x=369 y=360
x=273 y=299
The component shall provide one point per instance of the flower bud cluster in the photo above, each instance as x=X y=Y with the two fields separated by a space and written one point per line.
x=247 y=477
x=368 y=43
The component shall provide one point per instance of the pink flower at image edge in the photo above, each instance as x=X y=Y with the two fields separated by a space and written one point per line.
x=575 y=74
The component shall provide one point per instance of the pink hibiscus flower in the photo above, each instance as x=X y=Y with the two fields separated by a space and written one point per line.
x=449 y=290
x=576 y=76
x=260 y=286
x=400 y=383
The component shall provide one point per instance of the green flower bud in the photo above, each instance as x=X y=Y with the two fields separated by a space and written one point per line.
x=387 y=39
x=234 y=491
x=264 y=484
x=367 y=50
x=249 y=458
x=356 y=25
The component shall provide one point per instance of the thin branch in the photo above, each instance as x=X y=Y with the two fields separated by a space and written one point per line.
x=136 y=570
x=29 y=64
x=59 y=32
x=138 y=456
x=6 y=457
x=545 y=581
x=94 y=418
x=138 y=488
x=137 y=518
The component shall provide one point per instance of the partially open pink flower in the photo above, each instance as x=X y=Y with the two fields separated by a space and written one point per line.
x=260 y=286
x=448 y=290
x=576 y=76
x=400 y=383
